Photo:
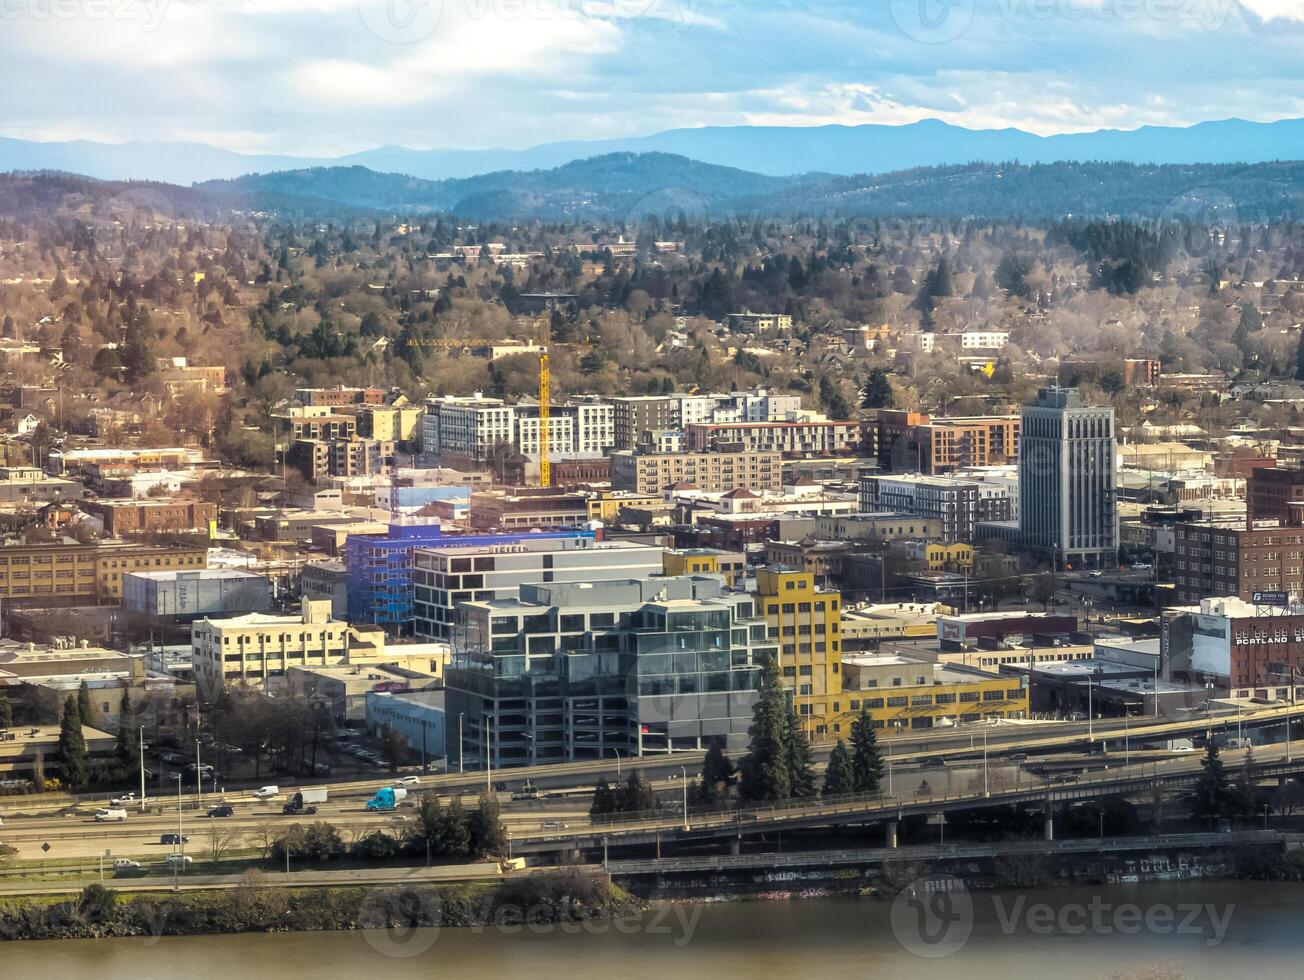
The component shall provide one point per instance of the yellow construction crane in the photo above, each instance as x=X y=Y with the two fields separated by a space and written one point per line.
x=545 y=404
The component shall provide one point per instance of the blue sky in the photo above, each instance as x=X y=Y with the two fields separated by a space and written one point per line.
x=321 y=77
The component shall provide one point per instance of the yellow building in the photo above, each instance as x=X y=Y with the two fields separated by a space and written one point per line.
x=941 y=557
x=902 y=693
x=707 y=561
x=806 y=622
x=390 y=423
x=114 y=561
x=606 y=505
x=890 y=621
x=63 y=573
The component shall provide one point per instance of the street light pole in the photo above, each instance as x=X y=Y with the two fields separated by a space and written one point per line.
x=684 y=773
x=142 y=768
x=176 y=865
x=617 y=751
x=986 y=790
x=199 y=777
x=460 y=716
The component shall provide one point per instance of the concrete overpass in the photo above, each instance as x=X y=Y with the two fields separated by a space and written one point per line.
x=1276 y=762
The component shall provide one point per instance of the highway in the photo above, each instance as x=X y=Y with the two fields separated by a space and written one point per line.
x=953 y=756
x=1137 y=779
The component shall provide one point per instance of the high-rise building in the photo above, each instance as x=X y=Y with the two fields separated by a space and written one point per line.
x=1067 y=480
x=806 y=624
x=489 y=567
x=592 y=670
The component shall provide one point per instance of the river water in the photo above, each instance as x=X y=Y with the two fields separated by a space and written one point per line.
x=1153 y=931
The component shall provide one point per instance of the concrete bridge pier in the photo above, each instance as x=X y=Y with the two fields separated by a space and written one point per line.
x=736 y=846
x=890 y=829
x=1050 y=824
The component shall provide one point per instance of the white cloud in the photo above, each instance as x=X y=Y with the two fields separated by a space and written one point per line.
x=1268 y=10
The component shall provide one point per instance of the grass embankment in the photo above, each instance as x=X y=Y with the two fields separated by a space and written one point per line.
x=564 y=897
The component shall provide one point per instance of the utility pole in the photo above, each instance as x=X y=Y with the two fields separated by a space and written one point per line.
x=142 y=768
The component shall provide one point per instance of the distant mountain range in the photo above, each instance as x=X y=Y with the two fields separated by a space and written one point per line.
x=775 y=151
x=627 y=186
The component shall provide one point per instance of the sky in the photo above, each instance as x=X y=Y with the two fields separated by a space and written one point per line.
x=327 y=77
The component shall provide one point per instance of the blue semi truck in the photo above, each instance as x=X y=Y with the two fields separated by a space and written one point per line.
x=387 y=798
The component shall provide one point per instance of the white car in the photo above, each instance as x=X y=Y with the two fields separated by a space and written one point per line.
x=123 y=800
x=408 y=781
x=182 y=859
x=266 y=792
x=125 y=864
x=111 y=813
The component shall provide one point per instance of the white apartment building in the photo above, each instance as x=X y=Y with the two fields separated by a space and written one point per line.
x=466 y=430
x=448 y=575
x=561 y=433
x=984 y=339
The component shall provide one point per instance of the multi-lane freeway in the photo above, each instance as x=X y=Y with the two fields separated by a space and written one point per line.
x=969 y=763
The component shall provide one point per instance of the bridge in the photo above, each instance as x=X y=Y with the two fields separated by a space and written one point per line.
x=1275 y=762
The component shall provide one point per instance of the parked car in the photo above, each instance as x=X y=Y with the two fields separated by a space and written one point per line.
x=221 y=810
x=125 y=864
x=174 y=839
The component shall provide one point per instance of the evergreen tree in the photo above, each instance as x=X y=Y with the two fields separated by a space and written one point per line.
x=72 y=745
x=487 y=835
x=718 y=777
x=604 y=800
x=1251 y=321
x=636 y=796
x=839 y=776
x=1299 y=359
x=866 y=759
x=1212 y=798
x=84 y=704
x=455 y=830
x=878 y=390
x=430 y=821
x=801 y=765
x=765 y=768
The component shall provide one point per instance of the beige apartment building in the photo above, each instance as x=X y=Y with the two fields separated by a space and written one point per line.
x=651 y=473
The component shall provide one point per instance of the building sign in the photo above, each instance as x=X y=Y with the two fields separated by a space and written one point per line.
x=1271 y=599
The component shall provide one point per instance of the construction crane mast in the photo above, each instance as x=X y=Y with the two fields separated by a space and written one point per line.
x=545 y=404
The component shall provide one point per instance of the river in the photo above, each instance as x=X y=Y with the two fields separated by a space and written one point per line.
x=1153 y=931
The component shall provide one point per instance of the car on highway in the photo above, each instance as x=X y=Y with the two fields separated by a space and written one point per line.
x=182 y=859
x=265 y=792
x=125 y=800
x=1065 y=777
x=1019 y=757
x=408 y=781
x=221 y=810
x=174 y=839
x=125 y=864
x=933 y=762
x=109 y=814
